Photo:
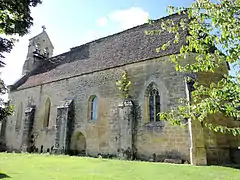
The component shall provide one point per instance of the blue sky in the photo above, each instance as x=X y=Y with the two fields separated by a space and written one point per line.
x=71 y=23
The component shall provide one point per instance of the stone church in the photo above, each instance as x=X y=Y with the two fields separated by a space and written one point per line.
x=69 y=103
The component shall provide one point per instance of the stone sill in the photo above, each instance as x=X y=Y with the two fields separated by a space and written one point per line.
x=92 y=121
x=154 y=124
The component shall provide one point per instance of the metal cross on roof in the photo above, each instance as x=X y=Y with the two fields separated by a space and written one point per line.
x=44 y=28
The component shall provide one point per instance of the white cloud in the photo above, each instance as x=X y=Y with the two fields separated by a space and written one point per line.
x=129 y=17
x=102 y=21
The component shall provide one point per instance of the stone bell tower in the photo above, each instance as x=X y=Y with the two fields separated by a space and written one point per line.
x=39 y=49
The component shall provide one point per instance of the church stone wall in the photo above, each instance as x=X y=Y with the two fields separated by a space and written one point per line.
x=151 y=140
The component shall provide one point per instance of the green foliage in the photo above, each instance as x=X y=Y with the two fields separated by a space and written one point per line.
x=213 y=35
x=15 y=19
x=219 y=98
x=5 y=108
x=124 y=85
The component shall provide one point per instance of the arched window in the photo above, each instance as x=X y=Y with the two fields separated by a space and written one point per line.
x=19 y=117
x=93 y=107
x=47 y=113
x=152 y=103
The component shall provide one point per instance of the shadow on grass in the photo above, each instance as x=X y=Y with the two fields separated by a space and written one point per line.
x=2 y=176
x=234 y=166
x=231 y=166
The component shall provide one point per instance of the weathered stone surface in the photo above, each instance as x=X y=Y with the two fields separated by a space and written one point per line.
x=64 y=127
x=126 y=118
x=28 y=127
x=102 y=135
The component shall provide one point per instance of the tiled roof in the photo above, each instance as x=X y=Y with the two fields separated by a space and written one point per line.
x=126 y=47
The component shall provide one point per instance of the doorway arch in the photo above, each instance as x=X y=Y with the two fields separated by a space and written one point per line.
x=78 y=144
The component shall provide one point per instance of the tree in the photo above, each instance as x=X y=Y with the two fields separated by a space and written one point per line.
x=124 y=85
x=15 y=19
x=213 y=36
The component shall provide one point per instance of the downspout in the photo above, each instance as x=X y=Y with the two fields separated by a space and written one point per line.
x=188 y=97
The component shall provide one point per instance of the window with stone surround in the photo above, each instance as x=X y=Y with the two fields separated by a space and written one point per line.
x=152 y=103
x=47 y=113
x=19 y=117
x=93 y=108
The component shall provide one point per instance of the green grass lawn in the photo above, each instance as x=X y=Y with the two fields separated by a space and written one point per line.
x=45 y=167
